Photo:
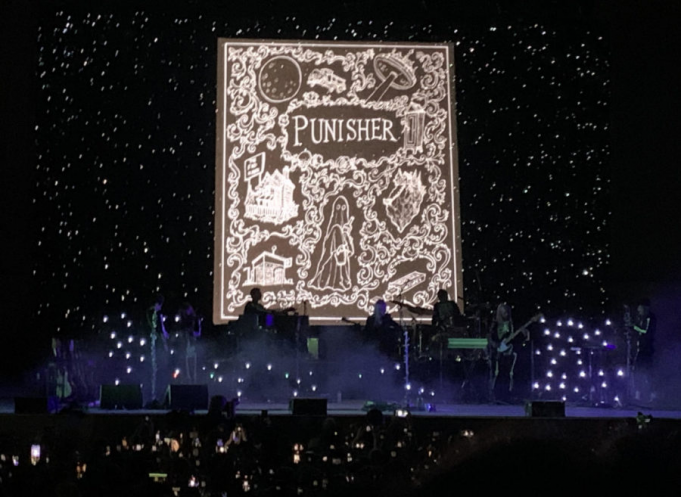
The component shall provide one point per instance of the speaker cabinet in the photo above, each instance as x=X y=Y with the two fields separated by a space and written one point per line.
x=122 y=396
x=546 y=409
x=308 y=407
x=187 y=397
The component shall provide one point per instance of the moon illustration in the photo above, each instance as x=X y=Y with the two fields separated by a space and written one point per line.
x=280 y=79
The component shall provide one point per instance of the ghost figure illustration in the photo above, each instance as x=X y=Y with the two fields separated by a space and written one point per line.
x=333 y=268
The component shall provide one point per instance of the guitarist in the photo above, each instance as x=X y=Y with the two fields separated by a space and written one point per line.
x=642 y=327
x=501 y=356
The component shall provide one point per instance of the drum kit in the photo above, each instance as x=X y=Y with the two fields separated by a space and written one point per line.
x=429 y=342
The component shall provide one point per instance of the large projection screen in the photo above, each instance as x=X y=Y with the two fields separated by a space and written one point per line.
x=336 y=177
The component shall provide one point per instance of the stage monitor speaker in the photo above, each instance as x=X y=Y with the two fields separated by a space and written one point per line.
x=121 y=396
x=545 y=409
x=35 y=405
x=308 y=407
x=187 y=397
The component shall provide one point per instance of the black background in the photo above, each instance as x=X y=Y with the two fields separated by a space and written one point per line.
x=644 y=124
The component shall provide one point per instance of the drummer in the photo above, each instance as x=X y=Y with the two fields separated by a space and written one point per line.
x=446 y=313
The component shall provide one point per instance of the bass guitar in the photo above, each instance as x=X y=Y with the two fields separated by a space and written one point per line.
x=505 y=344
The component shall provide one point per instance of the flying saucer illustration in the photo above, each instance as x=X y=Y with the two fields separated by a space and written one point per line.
x=394 y=71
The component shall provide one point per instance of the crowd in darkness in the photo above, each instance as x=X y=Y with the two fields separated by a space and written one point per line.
x=222 y=455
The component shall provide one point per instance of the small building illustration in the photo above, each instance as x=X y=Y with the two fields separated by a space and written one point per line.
x=271 y=200
x=414 y=120
x=268 y=269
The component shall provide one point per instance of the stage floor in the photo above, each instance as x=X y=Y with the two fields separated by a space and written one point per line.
x=356 y=408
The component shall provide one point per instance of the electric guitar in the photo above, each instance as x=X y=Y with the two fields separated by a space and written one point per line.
x=505 y=344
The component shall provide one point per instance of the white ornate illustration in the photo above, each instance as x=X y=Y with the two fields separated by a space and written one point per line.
x=395 y=71
x=349 y=174
x=404 y=284
x=414 y=120
x=271 y=200
x=326 y=78
x=405 y=199
x=280 y=79
x=333 y=268
x=268 y=269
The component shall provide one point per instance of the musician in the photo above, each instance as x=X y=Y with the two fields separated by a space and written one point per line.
x=157 y=330
x=643 y=327
x=189 y=333
x=501 y=364
x=381 y=329
x=446 y=313
x=255 y=307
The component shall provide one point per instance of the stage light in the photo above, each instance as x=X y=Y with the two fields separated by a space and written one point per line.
x=128 y=370
x=604 y=385
x=600 y=372
x=142 y=342
x=397 y=367
x=570 y=322
x=269 y=367
x=141 y=358
x=564 y=376
x=547 y=332
x=408 y=386
x=215 y=365
x=127 y=355
x=177 y=318
x=562 y=386
x=117 y=382
x=111 y=353
x=535 y=386
x=129 y=324
x=563 y=353
x=130 y=339
x=576 y=389
x=537 y=352
x=122 y=315
x=421 y=390
x=119 y=345
x=554 y=362
x=176 y=373
x=298 y=380
x=608 y=322
x=579 y=362
x=240 y=380
x=239 y=393
x=582 y=374
x=559 y=323
x=310 y=373
x=570 y=340
x=586 y=336
x=620 y=372
x=295 y=393
x=113 y=335
x=220 y=379
x=314 y=388
x=597 y=332
x=549 y=347
x=580 y=326
x=549 y=374
x=105 y=319
x=556 y=335
x=432 y=393
x=542 y=319
x=547 y=387
x=248 y=365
